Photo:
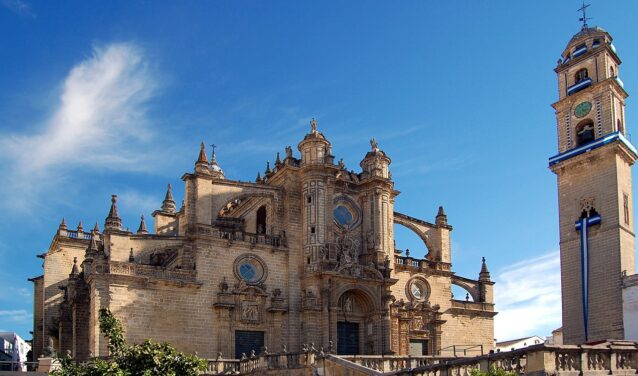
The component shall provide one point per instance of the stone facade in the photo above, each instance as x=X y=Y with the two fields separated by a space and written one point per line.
x=594 y=186
x=303 y=255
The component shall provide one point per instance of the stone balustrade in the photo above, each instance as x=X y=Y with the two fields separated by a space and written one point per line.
x=615 y=357
x=263 y=362
x=132 y=269
x=276 y=241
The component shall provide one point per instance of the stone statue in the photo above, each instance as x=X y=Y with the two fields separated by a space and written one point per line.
x=313 y=125
x=288 y=152
x=342 y=164
x=374 y=144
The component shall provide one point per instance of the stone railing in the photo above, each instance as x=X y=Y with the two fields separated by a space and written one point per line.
x=264 y=362
x=616 y=357
x=407 y=262
x=132 y=269
x=73 y=234
x=389 y=363
x=276 y=241
x=464 y=304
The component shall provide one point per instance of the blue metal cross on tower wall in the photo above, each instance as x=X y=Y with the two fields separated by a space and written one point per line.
x=583 y=225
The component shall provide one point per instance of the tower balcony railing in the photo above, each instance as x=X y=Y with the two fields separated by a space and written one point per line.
x=580 y=85
x=73 y=234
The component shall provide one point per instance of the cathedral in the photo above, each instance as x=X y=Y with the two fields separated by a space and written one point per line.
x=305 y=254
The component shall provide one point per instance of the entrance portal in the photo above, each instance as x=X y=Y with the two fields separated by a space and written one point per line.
x=347 y=338
x=418 y=347
x=247 y=341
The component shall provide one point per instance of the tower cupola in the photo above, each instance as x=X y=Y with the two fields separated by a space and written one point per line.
x=315 y=148
x=376 y=163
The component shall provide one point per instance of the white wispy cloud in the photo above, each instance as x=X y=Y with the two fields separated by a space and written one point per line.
x=146 y=204
x=528 y=298
x=99 y=122
x=20 y=7
x=16 y=315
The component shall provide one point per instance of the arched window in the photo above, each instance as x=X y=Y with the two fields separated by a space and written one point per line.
x=581 y=75
x=619 y=126
x=585 y=132
x=261 y=220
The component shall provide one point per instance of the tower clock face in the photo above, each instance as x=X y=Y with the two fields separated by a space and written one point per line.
x=582 y=109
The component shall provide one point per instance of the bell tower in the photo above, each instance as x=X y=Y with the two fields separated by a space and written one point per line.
x=593 y=166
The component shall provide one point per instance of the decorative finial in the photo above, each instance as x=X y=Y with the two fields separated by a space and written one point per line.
x=258 y=179
x=278 y=160
x=441 y=218
x=484 y=275
x=62 y=224
x=213 y=158
x=75 y=271
x=313 y=125
x=142 y=229
x=268 y=171
x=168 y=205
x=113 y=221
x=584 y=18
x=374 y=144
x=80 y=227
x=96 y=228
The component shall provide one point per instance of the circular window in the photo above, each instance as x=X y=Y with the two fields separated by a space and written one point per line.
x=343 y=216
x=346 y=213
x=418 y=289
x=250 y=268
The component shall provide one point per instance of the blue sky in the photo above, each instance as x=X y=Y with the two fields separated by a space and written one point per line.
x=101 y=98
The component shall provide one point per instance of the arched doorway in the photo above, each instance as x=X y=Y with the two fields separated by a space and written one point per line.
x=355 y=323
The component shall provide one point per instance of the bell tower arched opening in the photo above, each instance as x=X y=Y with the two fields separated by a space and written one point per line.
x=585 y=132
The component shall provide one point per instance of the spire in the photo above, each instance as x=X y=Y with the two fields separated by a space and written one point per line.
x=62 y=225
x=113 y=221
x=75 y=271
x=278 y=160
x=168 y=205
x=142 y=229
x=268 y=171
x=80 y=227
x=202 y=154
x=441 y=218
x=201 y=165
x=96 y=228
x=258 y=179
x=484 y=275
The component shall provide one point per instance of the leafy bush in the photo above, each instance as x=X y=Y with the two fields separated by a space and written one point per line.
x=144 y=359
x=492 y=372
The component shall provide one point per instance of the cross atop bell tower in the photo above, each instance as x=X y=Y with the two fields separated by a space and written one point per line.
x=584 y=18
x=593 y=167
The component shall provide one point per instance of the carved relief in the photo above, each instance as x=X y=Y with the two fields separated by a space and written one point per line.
x=250 y=311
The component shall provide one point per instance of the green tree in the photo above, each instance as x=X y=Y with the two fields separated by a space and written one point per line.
x=494 y=371
x=144 y=359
